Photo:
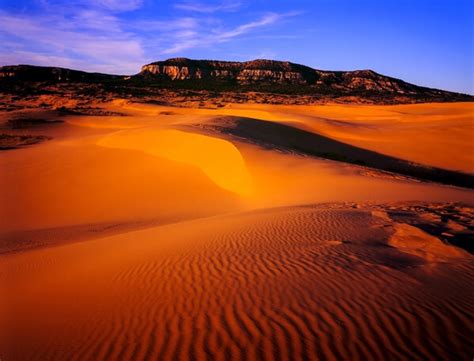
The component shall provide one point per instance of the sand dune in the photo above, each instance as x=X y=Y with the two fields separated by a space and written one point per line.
x=152 y=236
x=288 y=138
x=209 y=154
x=438 y=135
x=144 y=167
x=71 y=180
x=291 y=283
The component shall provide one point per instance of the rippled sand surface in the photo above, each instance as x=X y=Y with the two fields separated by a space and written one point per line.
x=151 y=236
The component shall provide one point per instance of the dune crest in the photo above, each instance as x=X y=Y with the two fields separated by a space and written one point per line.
x=219 y=159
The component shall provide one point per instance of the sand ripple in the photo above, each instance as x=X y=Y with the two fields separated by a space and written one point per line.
x=301 y=283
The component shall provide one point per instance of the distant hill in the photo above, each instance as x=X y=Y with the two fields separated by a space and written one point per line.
x=281 y=75
x=252 y=76
x=46 y=73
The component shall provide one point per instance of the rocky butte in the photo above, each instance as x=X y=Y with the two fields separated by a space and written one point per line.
x=267 y=72
x=264 y=76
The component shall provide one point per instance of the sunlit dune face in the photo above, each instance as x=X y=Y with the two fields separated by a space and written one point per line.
x=109 y=168
x=220 y=160
x=78 y=183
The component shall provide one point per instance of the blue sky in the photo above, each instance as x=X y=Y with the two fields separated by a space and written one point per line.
x=427 y=42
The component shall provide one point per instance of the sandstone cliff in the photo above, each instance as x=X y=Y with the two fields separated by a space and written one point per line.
x=277 y=72
x=263 y=76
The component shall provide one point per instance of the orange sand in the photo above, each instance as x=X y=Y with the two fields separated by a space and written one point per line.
x=197 y=246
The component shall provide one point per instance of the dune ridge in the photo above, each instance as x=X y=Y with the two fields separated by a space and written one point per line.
x=284 y=137
x=209 y=154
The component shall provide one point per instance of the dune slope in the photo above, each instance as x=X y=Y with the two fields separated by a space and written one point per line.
x=288 y=138
x=438 y=135
x=313 y=282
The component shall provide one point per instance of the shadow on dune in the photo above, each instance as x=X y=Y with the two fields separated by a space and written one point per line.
x=287 y=138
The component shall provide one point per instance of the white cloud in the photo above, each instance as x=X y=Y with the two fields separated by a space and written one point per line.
x=165 y=25
x=204 y=39
x=58 y=39
x=120 y=5
x=115 y=6
x=85 y=35
x=245 y=28
x=208 y=8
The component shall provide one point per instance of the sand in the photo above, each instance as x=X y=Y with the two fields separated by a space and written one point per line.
x=151 y=236
x=433 y=134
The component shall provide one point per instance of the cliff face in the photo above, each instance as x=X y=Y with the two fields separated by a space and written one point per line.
x=269 y=72
x=243 y=73
x=266 y=76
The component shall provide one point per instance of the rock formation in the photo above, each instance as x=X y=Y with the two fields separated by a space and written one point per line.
x=258 y=75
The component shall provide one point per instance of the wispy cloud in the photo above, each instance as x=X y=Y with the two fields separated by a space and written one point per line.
x=99 y=35
x=166 y=26
x=205 y=39
x=208 y=8
x=245 y=28
x=115 y=6
x=120 y=5
x=81 y=38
